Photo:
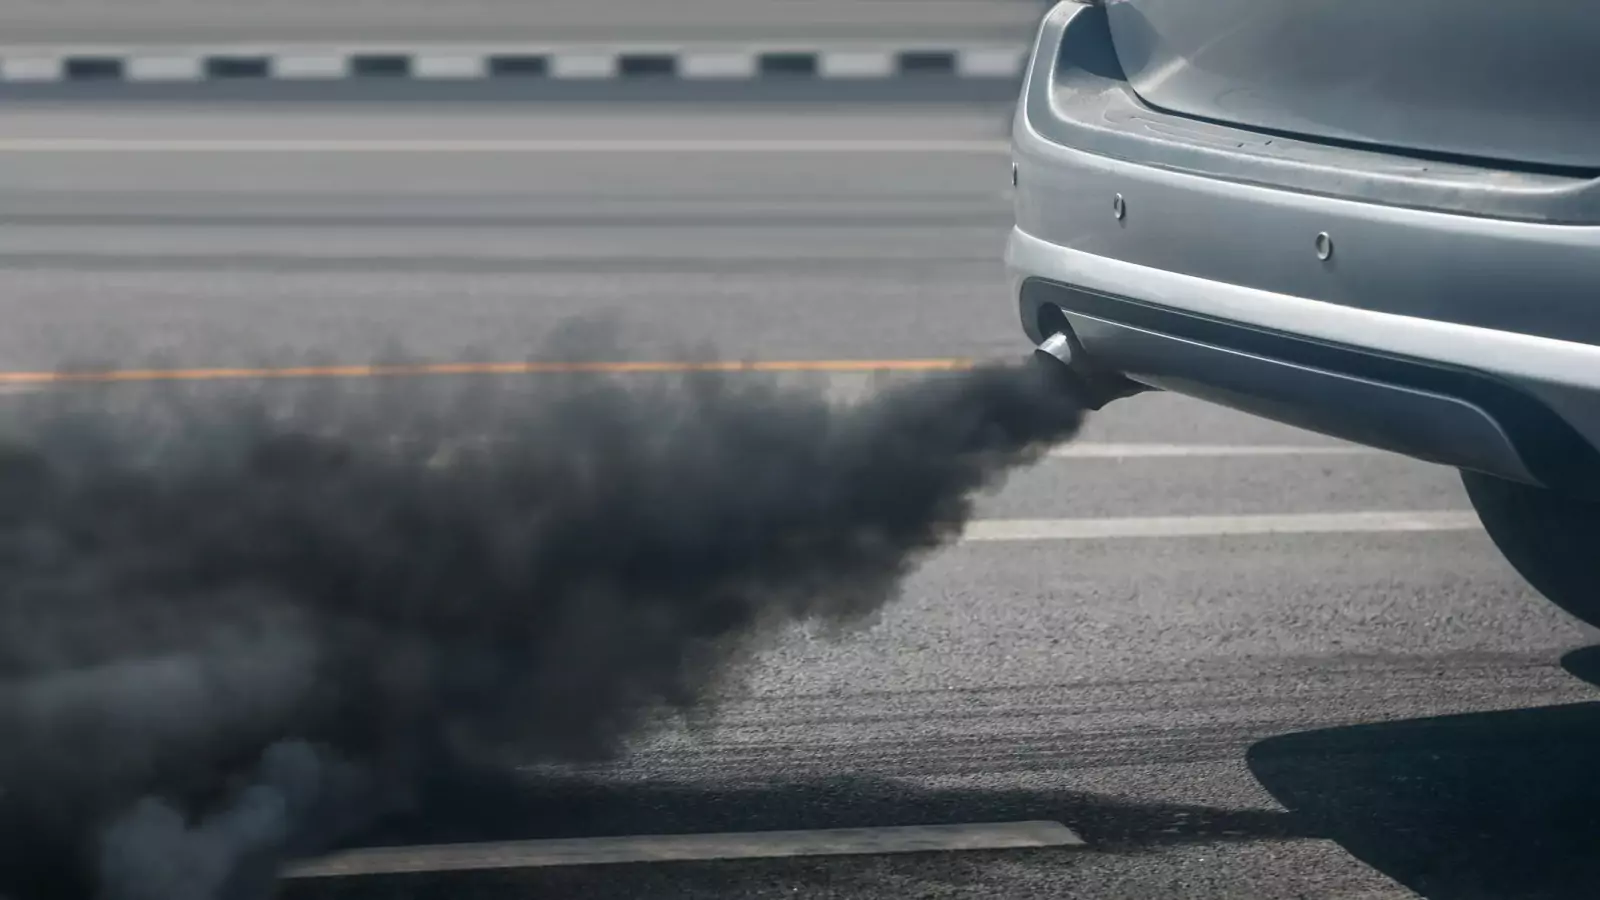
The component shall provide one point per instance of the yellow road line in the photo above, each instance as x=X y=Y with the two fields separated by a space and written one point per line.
x=500 y=145
x=107 y=376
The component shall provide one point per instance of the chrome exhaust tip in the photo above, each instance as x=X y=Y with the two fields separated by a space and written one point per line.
x=1064 y=360
x=1058 y=346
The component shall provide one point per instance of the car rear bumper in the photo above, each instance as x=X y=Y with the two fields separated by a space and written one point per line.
x=1435 y=404
x=1192 y=262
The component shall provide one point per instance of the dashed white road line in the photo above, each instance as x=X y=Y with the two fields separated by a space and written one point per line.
x=689 y=847
x=995 y=530
x=1178 y=451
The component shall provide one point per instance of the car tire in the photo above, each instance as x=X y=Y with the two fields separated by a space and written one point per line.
x=1551 y=539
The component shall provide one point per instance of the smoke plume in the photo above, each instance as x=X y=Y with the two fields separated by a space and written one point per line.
x=239 y=625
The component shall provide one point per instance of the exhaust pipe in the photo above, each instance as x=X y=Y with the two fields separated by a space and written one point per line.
x=1062 y=357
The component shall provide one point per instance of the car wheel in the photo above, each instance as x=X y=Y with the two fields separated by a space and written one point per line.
x=1551 y=539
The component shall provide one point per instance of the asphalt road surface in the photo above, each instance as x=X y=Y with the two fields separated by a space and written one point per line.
x=1347 y=714
x=555 y=21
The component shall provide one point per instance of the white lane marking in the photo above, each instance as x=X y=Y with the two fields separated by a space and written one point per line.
x=32 y=68
x=446 y=145
x=857 y=64
x=1171 y=451
x=994 y=530
x=165 y=68
x=739 y=64
x=448 y=67
x=663 y=848
x=310 y=68
x=579 y=66
x=996 y=62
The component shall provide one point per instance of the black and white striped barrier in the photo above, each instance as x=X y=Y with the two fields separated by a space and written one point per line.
x=32 y=65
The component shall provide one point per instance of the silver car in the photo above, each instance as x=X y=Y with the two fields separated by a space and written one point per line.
x=1377 y=220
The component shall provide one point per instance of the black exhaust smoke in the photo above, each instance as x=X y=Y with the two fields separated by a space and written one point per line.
x=239 y=628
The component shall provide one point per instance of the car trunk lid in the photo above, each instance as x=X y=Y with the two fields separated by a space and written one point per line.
x=1482 y=79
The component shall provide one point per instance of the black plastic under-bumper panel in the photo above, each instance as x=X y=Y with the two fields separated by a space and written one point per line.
x=1556 y=454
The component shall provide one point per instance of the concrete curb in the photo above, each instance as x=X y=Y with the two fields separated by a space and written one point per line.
x=435 y=63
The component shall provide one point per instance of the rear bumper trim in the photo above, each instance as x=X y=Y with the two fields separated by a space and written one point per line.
x=1515 y=356
x=1443 y=414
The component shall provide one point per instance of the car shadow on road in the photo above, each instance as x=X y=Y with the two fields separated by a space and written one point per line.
x=493 y=808
x=1490 y=805
x=1501 y=805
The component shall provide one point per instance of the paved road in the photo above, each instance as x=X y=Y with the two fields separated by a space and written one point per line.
x=555 y=21
x=1220 y=717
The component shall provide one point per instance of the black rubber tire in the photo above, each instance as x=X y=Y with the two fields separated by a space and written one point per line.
x=1551 y=539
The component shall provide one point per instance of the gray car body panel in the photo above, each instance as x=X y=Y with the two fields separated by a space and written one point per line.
x=1080 y=97
x=1229 y=231
x=1484 y=78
